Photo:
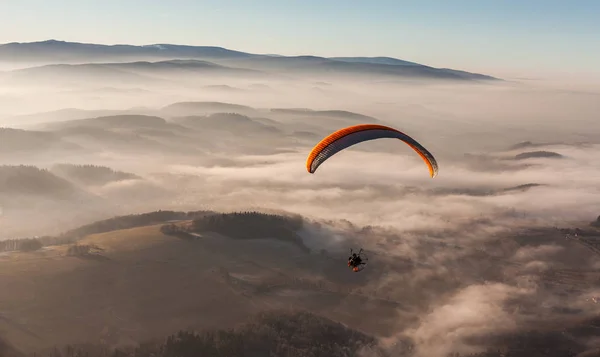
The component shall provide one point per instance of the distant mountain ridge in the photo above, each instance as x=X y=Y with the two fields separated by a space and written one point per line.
x=376 y=60
x=62 y=52
x=76 y=50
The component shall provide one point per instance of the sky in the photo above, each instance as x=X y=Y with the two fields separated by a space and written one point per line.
x=510 y=36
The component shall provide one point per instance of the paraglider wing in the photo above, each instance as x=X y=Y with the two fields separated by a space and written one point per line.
x=355 y=134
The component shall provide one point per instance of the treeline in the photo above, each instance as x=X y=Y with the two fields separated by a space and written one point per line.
x=103 y=226
x=20 y=140
x=131 y=221
x=238 y=225
x=302 y=334
x=596 y=223
x=176 y=230
x=251 y=225
x=78 y=250
x=24 y=245
x=298 y=334
x=92 y=174
x=27 y=179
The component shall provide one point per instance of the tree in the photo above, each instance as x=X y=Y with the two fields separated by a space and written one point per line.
x=29 y=245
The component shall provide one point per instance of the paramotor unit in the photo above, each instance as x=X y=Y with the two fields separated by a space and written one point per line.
x=357 y=262
x=352 y=135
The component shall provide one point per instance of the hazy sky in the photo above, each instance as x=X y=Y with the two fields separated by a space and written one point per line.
x=485 y=35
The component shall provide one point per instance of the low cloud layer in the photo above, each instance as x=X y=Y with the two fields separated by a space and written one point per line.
x=451 y=248
x=475 y=311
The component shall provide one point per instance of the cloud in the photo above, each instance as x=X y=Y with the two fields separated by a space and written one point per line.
x=475 y=311
x=433 y=243
x=367 y=188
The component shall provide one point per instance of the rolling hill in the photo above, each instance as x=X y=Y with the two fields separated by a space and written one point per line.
x=24 y=180
x=230 y=122
x=204 y=108
x=134 y=70
x=91 y=174
x=112 y=121
x=191 y=128
x=139 y=73
x=127 y=133
x=134 y=278
x=17 y=141
x=209 y=282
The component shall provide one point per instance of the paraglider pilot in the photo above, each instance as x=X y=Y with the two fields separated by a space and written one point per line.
x=354 y=261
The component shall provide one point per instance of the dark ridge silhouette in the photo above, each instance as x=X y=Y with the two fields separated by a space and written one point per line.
x=252 y=225
x=596 y=223
x=205 y=108
x=140 y=70
x=91 y=174
x=237 y=225
x=231 y=122
x=170 y=64
x=421 y=71
x=292 y=334
x=130 y=221
x=127 y=133
x=376 y=60
x=54 y=50
x=470 y=75
x=485 y=191
x=529 y=144
x=538 y=154
x=182 y=67
x=30 y=245
x=132 y=121
x=303 y=334
x=103 y=226
x=521 y=188
x=342 y=114
x=24 y=179
x=314 y=65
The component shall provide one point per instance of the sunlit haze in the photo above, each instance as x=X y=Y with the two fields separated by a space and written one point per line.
x=200 y=188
